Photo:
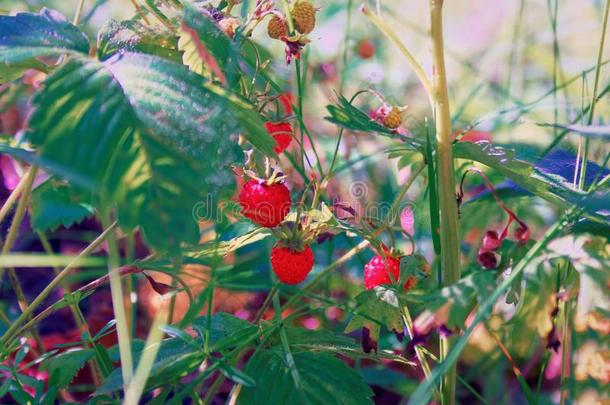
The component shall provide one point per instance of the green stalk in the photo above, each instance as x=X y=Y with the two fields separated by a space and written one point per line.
x=12 y=198
x=136 y=387
x=450 y=254
x=78 y=12
x=118 y=306
x=600 y=52
x=54 y=284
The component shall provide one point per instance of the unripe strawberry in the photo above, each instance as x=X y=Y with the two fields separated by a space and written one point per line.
x=282 y=133
x=366 y=49
x=522 y=234
x=277 y=28
x=265 y=204
x=393 y=119
x=304 y=16
x=291 y=266
x=491 y=241
x=488 y=259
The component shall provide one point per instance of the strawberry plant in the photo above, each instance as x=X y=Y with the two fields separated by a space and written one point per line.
x=295 y=201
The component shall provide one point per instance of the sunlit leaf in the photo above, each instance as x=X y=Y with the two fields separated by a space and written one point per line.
x=149 y=135
x=26 y=36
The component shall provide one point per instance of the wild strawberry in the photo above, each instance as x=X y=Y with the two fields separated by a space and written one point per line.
x=277 y=28
x=265 y=204
x=291 y=266
x=393 y=119
x=366 y=49
x=304 y=16
x=381 y=270
x=282 y=133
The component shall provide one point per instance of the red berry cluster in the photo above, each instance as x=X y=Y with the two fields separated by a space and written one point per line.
x=487 y=255
x=268 y=205
x=265 y=204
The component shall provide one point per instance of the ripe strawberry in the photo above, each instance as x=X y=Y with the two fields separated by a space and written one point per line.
x=282 y=133
x=277 y=28
x=265 y=204
x=304 y=16
x=393 y=119
x=377 y=271
x=291 y=266
x=366 y=49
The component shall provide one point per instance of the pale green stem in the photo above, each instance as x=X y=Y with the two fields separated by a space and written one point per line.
x=79 y=11
x=151 y=348
x=600 y=52
x=12 y=198
x=118 y=306
x=450 y=254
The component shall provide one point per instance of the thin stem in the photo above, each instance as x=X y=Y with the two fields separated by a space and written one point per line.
x=78 y=12
x=56 y=282
x=151 y=348
x=600 y=52
x=12 y=198
x=118 y=306
x=449 y=228
x=415 y=65
x=408 y=321
x=28 y=182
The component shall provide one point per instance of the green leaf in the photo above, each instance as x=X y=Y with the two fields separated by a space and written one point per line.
x=373 y=311
x=226 y=330
x=64 y=367
x=554 y=189
x=178 y=357
x=301 y=339
x=325 y=380
x=207 y=50
x=236 y=375
x=175 y=359
x=26 y=36
x=149 y=136
x=54 y=205
x=345 y=115
x=458 y=300
x=133 y=36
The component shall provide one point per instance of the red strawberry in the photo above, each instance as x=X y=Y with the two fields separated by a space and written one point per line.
x=265 y=204
x=291 y=266
x=282 y=133
x=378 y=270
